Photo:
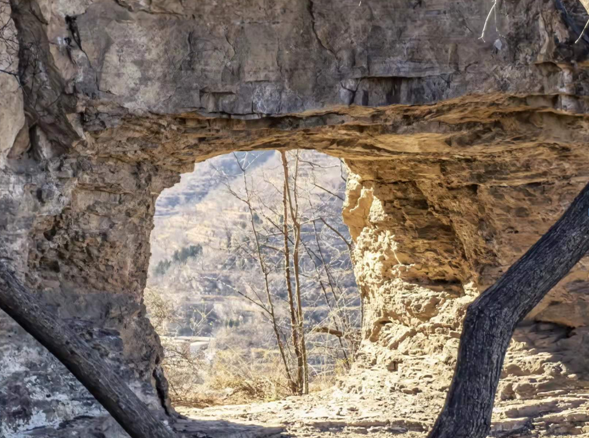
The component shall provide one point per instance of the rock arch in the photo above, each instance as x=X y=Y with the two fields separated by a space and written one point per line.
x=463 y=152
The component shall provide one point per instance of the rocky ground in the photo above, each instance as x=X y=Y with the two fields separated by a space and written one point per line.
x=327 y=415
x=336 y=412
x=543 y=393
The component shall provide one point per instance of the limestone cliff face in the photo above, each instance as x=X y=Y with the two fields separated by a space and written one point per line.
x=463 y=152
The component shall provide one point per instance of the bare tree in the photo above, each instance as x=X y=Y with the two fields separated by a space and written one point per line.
x=279 y=243
x=304 y=265
x=294 y=302
x=261 y=259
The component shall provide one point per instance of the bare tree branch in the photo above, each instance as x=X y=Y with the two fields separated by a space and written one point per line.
x=78 y=357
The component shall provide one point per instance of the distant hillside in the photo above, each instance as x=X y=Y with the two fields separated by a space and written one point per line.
x=202 y=233
x=194 y=187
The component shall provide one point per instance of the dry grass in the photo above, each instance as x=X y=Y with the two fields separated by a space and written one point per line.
x=183 y=372
x=241 y=365
x=244 y=379
x=231 y=377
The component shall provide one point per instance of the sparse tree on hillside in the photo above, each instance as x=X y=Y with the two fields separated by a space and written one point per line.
x=272 y=235
x=259 y=255
x=275 y=242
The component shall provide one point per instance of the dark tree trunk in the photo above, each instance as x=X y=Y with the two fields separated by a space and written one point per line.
x=492 y=318
x=84 y=362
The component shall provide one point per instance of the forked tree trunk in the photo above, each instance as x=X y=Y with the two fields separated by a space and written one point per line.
x=84 y=362
x=261 y=261
x=294 y=209
x=294 y=315
x=492 y=318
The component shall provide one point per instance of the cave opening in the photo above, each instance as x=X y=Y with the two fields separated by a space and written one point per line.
x=481 y=151
x=251 y=285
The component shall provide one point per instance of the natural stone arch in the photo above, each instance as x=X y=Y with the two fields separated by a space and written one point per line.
x=114 y=116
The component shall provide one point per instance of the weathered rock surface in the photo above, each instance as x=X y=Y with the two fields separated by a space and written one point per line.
x=464 y=151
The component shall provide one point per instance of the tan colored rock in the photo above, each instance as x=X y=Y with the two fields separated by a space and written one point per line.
x=12 y=118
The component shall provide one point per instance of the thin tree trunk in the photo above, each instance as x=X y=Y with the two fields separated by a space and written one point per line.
x=260 y=257
x=270 y=301
x=312 y=255
x=332 y=283
x=83 y=361
x=492 y=318
x=297 y=229
x=291 y=301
